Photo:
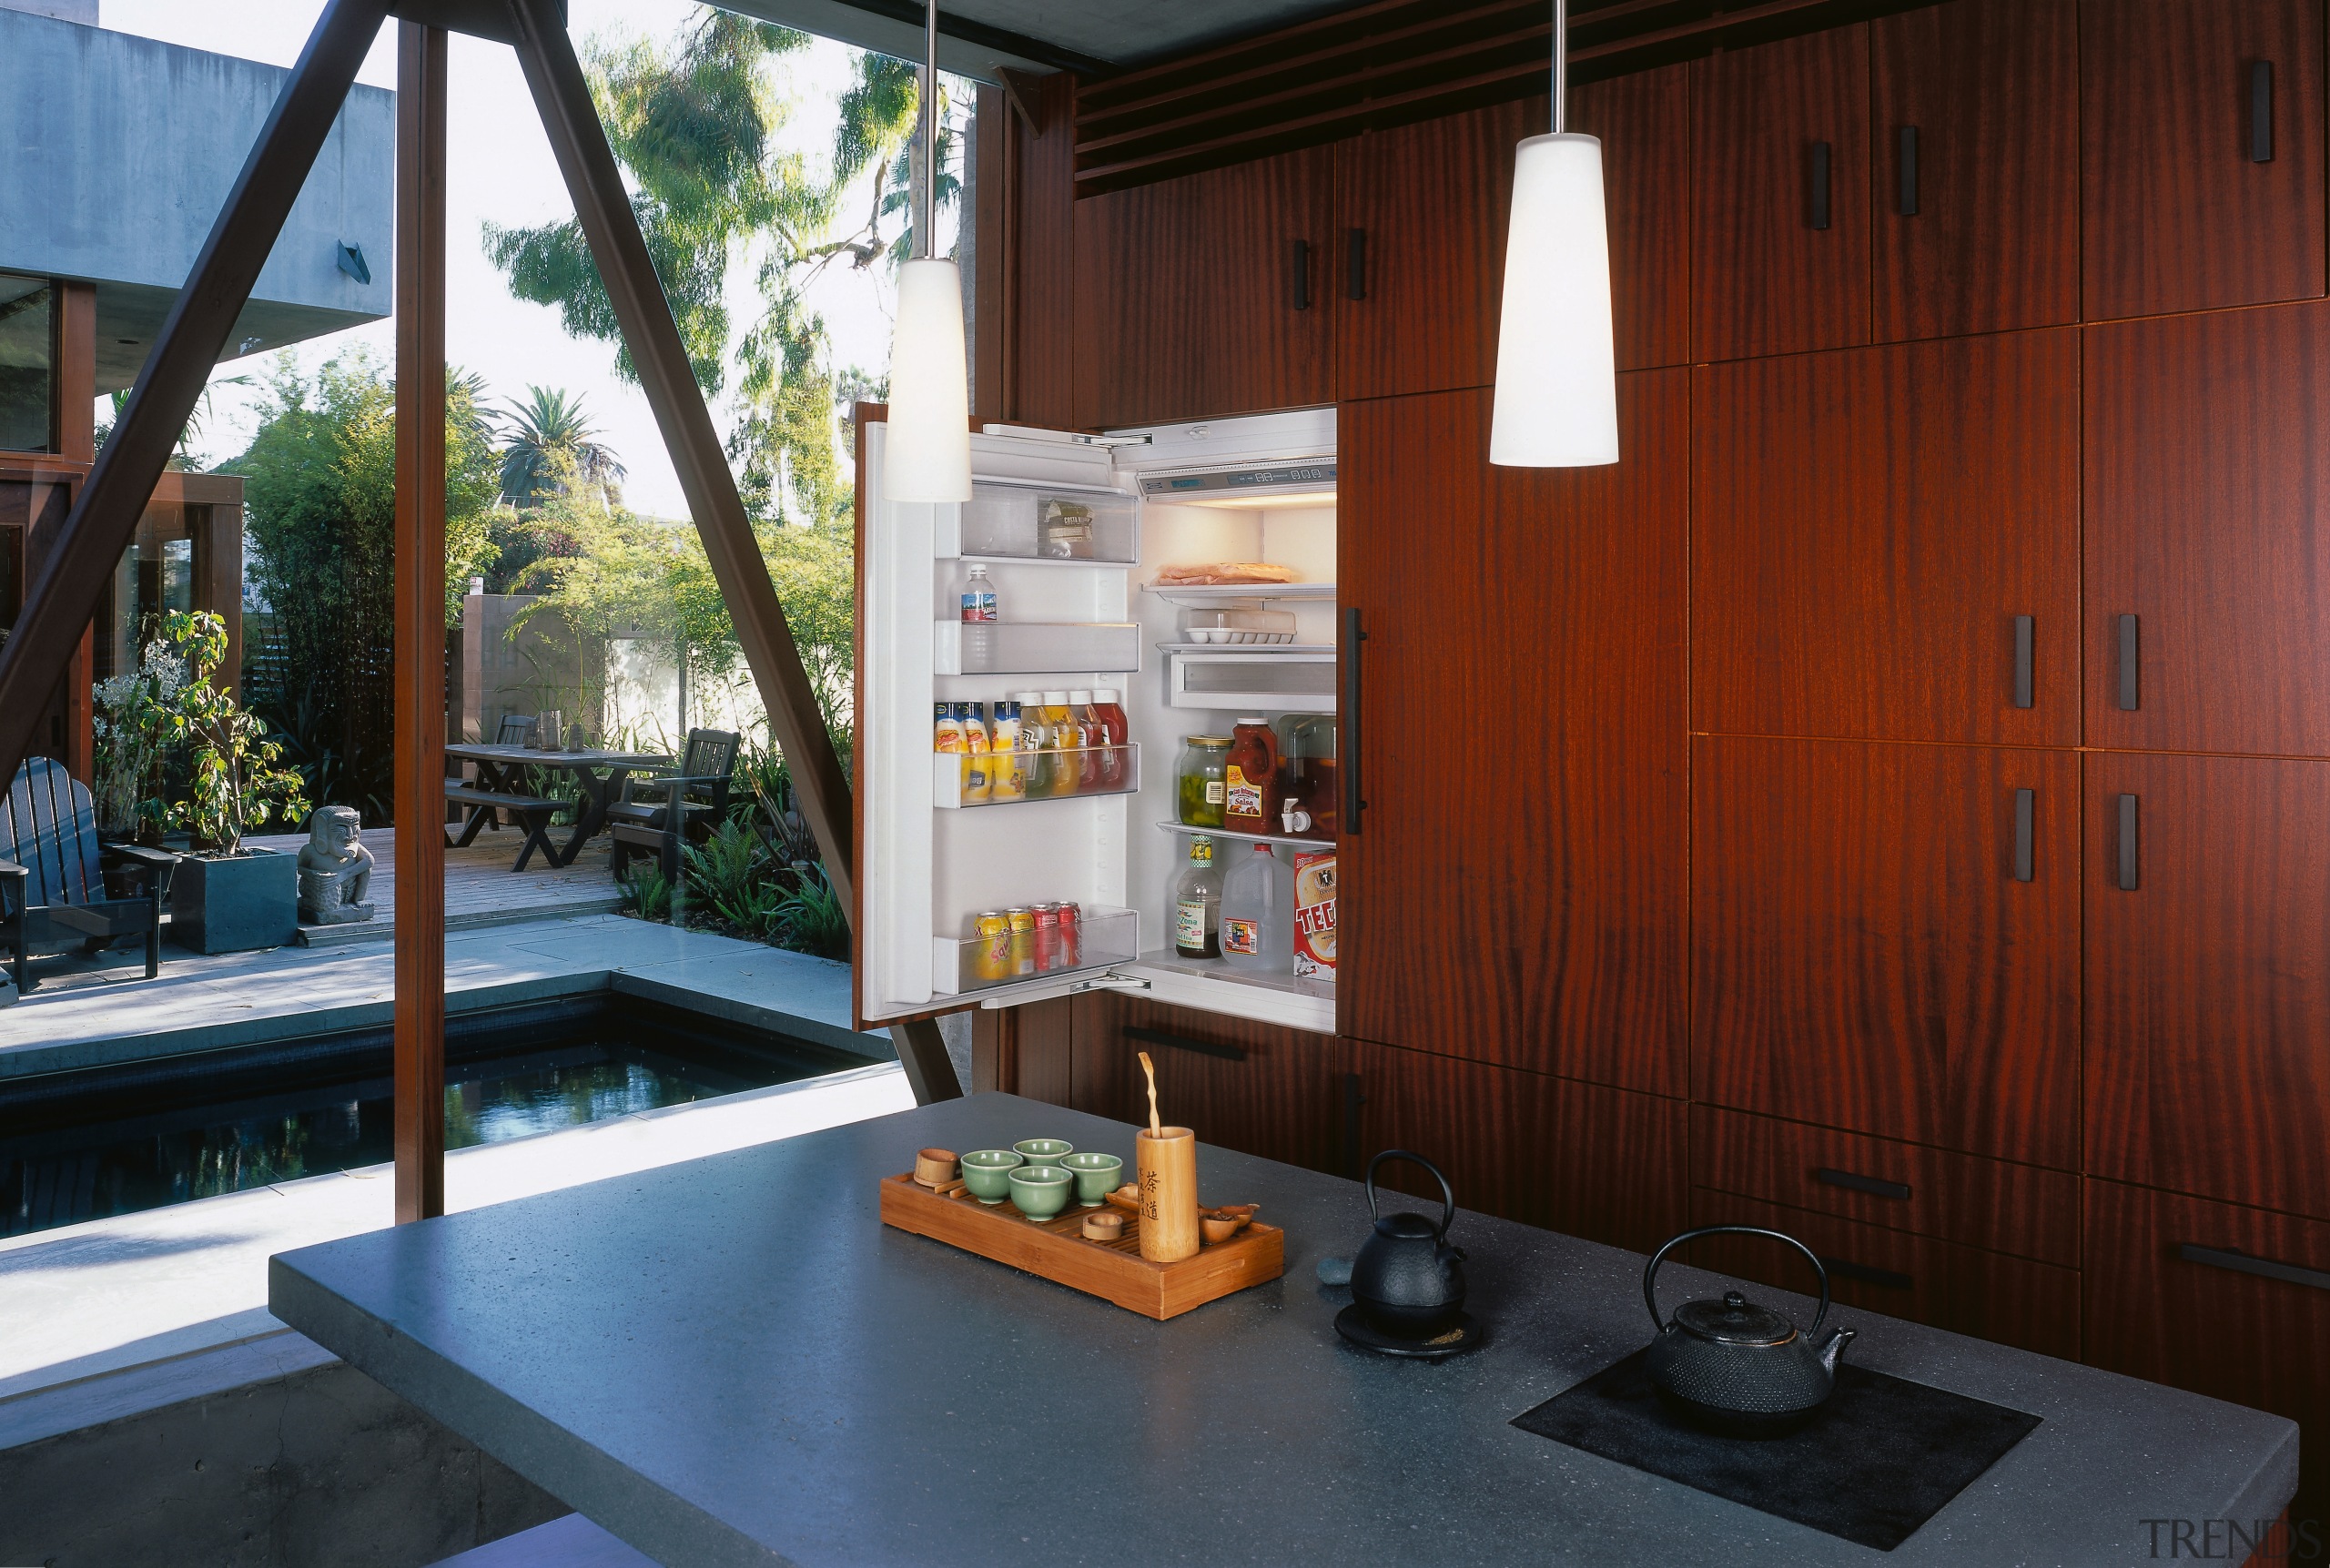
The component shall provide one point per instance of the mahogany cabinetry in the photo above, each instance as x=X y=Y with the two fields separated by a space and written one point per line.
x=2208 y=977
x=1866 y=952
x=2200 y=154
x=1886 y=543
x=1513 y=893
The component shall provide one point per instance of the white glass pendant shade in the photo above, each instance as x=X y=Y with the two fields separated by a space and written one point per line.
x=1557 y=375
x=928 y=451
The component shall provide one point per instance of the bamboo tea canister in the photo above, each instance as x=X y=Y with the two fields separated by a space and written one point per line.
x=1166 y=1162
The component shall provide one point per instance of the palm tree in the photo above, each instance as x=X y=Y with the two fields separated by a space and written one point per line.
x=548 y=424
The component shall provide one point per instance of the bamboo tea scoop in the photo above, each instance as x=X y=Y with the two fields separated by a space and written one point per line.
x=1165 y=1159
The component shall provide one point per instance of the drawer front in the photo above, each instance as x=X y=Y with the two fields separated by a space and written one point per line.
x=1964 y=1197
x=2013 y=1300
x=1255 y=1087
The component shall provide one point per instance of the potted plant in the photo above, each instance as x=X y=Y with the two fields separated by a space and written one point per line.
x=223 y=897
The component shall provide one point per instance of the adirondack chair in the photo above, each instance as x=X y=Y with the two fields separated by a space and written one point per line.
x=662 y=810
x=52 y=887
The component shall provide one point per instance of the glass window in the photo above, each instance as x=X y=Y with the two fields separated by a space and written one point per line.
x=27 y=348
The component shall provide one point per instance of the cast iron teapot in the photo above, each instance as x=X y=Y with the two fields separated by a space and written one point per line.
x=1736 y=1368
x=1407 y=1279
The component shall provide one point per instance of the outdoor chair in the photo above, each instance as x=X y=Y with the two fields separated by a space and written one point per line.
x=663 y=810
x=516 y=731
x=53 y=887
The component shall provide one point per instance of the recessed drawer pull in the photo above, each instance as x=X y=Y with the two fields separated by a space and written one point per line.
x=1885 y=1277
x=1819 y=191
x=2127 y=843
x=1183 y=1043
x=2265 y=1268
x=1877 y=1186
x=2025 y=832
x=2025 y=632
x=1908 y=204
x=2261 y=111
x=2131 y=671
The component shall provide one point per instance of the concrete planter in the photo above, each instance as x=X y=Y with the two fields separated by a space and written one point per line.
x=235 y=906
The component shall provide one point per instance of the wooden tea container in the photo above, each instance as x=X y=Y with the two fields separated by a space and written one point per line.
x=1165 y=1163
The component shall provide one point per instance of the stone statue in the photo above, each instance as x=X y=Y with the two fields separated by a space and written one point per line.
x=335 y=869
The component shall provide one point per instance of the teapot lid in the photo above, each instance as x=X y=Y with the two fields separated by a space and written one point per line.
x=1734 y=1320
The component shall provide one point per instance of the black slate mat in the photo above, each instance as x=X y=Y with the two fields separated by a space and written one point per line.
x=1881 y=1459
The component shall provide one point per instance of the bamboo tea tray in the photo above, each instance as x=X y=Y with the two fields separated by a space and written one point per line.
x=1057 y=1249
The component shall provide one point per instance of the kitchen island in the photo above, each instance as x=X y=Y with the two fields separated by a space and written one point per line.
x=733 y=1362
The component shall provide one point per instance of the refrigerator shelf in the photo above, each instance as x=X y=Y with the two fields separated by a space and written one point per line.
x=1296 y=839
x=1257 y=680
x=1036 y=647
x=1106 y=938
x=1174 y=963
x=1215 y=594
x=947 y=771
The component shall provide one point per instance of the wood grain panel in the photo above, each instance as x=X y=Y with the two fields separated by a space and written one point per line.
x=2208 y=986
x=2012 y=1300
x=1644 y=124
x=2174 y=213
x=1993 y=1204
x=1585 y=1160
x=2260 y=1342
x=2208 y=519
x=1863 y=956
x=1282 y=1101
x=1763 y=280
x=1040 y=334
x=1514 y=893
x=1991 y=89
x=1185 y=294
x=1866 y=525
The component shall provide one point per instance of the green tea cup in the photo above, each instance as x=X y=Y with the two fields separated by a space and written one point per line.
x=988 y=1171
x=1097 y=1176
x=1043 y=1151
x=1041 y=1191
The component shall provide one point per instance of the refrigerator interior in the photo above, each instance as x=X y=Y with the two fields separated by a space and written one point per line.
x=928 y=865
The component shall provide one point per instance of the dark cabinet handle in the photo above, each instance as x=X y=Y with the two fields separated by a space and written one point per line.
x=1302 y=275
x=2127 y=843
x=1355 y=798
x=1353 y=1100
x=1819 y=185
x=2264 y=1268
x=1183 y=1043
x=2025 y=630
x=1355 y=263
x=2129 y=690
x=1908 y=207
x=1844 y=1269
x=1852 y=1181
x=2261 y=111
x=2026 y=804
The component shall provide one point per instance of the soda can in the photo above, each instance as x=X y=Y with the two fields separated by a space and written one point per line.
x=1047 y=936
x=1023 y=939
x=991 y=949
x=1071 y=940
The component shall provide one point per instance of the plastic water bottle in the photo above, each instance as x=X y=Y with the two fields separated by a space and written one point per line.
x=1258 y=914
x=981 y=611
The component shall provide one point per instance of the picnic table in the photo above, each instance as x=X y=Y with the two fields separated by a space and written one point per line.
x=500 y=786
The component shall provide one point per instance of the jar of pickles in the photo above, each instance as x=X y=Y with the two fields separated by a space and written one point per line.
x=1201 y=779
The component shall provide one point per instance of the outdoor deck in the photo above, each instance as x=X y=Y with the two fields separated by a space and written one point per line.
x=479 y=887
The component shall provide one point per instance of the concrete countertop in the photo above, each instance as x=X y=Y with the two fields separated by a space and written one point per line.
x=733 y=1360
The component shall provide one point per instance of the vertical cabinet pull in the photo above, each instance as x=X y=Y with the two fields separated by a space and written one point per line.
x=1819 y=185
x=1302 y=275
x=2127 y=843
x=2261 y=111
x=2129 y=690
x=1355 y=263
x=2026 y=810
x=1909 y=197
x=1353 y=1100
x=1355 y=798
x=2025 y=628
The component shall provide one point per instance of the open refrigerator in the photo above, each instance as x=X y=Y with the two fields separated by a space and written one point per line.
x=1083 y=612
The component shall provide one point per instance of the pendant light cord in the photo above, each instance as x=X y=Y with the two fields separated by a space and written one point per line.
x=927 y=217
x=1561 y=63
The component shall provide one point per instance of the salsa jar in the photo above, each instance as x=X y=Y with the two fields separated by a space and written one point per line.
x=1200 y=780
x=1250 y=782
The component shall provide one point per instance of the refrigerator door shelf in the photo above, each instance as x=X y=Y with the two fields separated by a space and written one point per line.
x=947 y=771
x=1263 y=680
x=1036 y=647
x=1105 y=938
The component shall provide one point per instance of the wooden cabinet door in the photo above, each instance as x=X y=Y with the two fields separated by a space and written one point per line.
x=1975 y=212
x=1600 y=1163
x=2208 y=522
x=1779 y=197
x=1513 y=891
x=1208 y=295
x=2176 y=211
x=1863 y=953
x=1254 y=1087
x=2170 y=1298
x=2208 y=982
x=1869 y=527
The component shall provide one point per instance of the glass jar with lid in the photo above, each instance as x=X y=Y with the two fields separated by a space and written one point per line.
x=1200 y=779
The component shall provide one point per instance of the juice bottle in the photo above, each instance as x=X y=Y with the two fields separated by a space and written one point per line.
x=1034 y=743
x=1258 y=914
x=950 y=734
x=1060 y=736
x=1115 y=732
x=1006 y=764
x=1250 y=778
x=978 y=771
x=1089 y=738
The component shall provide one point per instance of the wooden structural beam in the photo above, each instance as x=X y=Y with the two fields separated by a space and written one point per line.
x=64 y=597
x=420 y=622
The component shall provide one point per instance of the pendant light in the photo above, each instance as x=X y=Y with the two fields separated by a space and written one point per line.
x=1557 y=376
x=928 y=447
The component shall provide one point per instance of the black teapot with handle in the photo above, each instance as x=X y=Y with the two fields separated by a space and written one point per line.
x=1735 y=1367
x=1408 y=1280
